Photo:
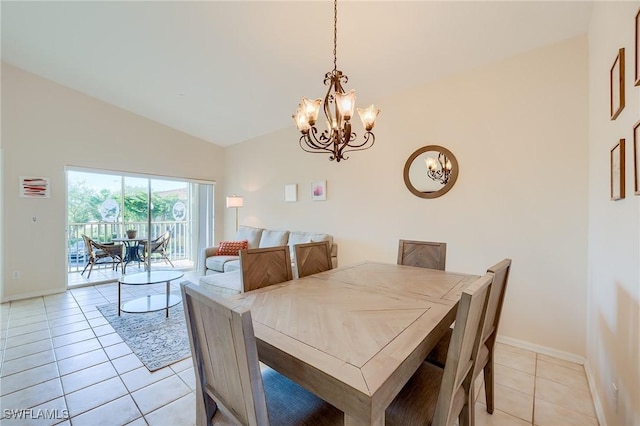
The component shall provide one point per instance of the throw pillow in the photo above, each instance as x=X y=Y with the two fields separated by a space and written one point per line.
x=231 y=248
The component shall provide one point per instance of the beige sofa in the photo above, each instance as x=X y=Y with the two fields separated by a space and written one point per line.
x=222 y=273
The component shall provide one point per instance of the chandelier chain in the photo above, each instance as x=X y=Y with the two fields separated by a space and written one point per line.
x=335 y=35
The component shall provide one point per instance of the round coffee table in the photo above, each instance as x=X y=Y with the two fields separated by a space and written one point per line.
x=150 y=303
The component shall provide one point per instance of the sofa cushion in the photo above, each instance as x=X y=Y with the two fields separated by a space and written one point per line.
x=232 y=265
x=229 y=283
x=252 y=235
x=297 y=237
x=272 y=238
x=217 y=263
x=231 y=248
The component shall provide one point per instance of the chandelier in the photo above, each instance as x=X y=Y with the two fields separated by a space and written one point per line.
x=337 y=139
x=439 y=169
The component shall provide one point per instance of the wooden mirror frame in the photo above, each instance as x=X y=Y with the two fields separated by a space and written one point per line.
x=446 y=187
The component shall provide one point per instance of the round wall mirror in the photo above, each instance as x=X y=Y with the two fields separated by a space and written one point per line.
x=431 y=171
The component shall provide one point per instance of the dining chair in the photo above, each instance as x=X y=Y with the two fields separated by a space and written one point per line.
x=263 y=267
x=437 y=396
x=312 y=258
x=98 y=251
x=158 y=246
x=423 y=254
x=230 y=388
x=438 y=355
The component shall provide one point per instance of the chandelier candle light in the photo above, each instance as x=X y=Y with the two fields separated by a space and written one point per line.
x=338 y=139
x=440 y=169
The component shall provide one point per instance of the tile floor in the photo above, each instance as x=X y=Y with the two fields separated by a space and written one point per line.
x=60 y=358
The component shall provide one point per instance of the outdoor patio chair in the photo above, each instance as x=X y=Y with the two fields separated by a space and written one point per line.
x=101 y=253
x=158 y=246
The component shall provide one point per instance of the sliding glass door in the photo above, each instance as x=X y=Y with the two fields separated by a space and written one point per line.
x=104 y=206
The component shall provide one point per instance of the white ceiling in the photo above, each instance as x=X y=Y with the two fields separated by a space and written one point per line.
x=230 y=71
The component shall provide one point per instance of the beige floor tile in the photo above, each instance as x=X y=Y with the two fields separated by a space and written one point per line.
x=67 y=339
x=27 y=362
x=519 y=360
x=28 y=378
x=160 y=393
x=141 y=377
x=28 y=349
x=93 y=396
x=564 y=396
x=27 y=338
x=179 y=412
x=66 y=320
x=32 y=396
x=18 y=322
x=189 y=377
x=500 y=347
x=79 y=348
x=498 y=418
x=25 y=329
x=182 y=365
x=514 y=379
x=126 y=363
x=49 y=413
x=512 y=402
x=559 y=373
x=110 y=339
x=117 y=412
x=548 y=414
x=69 y=328
x=87 y=377
x=118 y=350
x=79 y=362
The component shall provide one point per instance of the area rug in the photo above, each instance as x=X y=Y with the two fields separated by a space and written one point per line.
x=157 y=341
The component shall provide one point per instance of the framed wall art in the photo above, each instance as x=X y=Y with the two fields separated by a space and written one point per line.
x=617 y=171
x=637 y=49
x=34 y=187
x=636 y=158
x=319 y=190
x=291 y=193
x=616 y=85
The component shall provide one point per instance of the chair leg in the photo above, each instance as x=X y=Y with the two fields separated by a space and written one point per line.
x=205 y=410
x=488 y=383
x=90 y=269
x=168 y=260
x=85 y=268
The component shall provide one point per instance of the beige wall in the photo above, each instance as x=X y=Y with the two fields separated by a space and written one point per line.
x=46 y=127
x=614 y=227
x=519 y=130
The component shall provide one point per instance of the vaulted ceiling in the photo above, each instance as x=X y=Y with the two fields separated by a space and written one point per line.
x=229 y=71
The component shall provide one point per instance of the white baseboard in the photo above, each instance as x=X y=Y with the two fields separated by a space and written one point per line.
x=32 y=294
x=567 y=356
x=597 y=403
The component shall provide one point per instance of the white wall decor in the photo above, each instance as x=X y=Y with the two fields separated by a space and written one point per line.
x=291 y=193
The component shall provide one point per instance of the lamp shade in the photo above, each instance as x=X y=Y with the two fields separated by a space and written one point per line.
x=235 y=201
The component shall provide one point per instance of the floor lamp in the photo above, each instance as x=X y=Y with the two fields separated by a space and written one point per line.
x=235 y=201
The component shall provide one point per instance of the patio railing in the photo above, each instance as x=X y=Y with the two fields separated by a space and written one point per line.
x=179 y=247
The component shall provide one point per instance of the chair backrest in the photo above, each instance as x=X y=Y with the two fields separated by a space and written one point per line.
x=500 y=272
x=423 y=254
x=312 y=258
x=463 y=349
x=88 y=245
x=225 y=356
x=263 y=267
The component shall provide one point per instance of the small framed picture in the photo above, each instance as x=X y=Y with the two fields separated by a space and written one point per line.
x=617 y=171
x=616 y=85
x=637 y=49
x=291 y=193
x=636 y=158
x=34 y=187
x=319 y=190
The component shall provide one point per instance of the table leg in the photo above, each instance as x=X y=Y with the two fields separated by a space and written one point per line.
x=168 y=292
x=119 y=298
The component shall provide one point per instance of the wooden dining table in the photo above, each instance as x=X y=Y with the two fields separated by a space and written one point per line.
x=356 y=334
